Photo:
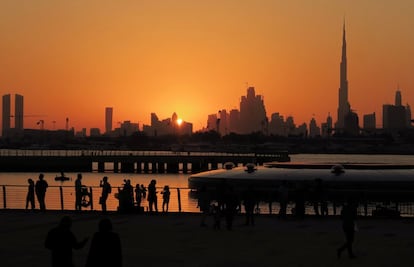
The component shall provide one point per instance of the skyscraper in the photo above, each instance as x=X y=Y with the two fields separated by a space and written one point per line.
x=252 y=113
x=6 y=114
x=343 y=106
x=18 y=112
x=108 y=120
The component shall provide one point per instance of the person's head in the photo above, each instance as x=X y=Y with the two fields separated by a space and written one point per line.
x=153 y=181
x=41 y=176
x=79 y=176
x=166 y=188
x=30 y=181
x=105 y=225
x=65 y=222
x=105 y=179
x=137 y=186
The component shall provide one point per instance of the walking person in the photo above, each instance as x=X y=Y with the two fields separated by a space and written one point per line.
x=78 y=192
x=60 y=240
x=152 y=196
x=138 y=195
x=105 y=249
x=40 y=189
x=30 y=198
x=106 y=190
x=348 y=216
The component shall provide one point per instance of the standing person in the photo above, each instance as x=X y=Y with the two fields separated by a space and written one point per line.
x=152 y=196
x=203 y=202
x=143 y=191
x=60 y=240
x=138 y=195
x=106 y=190
x=30 y=198
x=40 y=189
x=249 y=201
x=165 y=198
x=105 y=250
x=78 y=192
x=348 y=216
x=283 y=194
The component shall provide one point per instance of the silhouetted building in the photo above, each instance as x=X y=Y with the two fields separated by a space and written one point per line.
x=18 y=112
x=277 y=125
x=6 y=114
x=18 y=116
x=314 y=130
x=94 y=132
x=351 y=124
x=252 y=113
x=234 y=121
x=343 y=106
x=327 y=127
x=369 y=123
x=108 y=120
x=396 y=117
x=212 y=123
x=169 y=126
x=223 y=126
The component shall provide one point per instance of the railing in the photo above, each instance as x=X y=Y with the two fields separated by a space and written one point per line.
x=181 y=200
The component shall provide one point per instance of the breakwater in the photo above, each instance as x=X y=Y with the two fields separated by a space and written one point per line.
x=127 y=161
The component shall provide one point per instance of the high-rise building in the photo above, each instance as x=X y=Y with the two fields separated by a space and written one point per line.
x=369 y=122
x=396 y=117
x=108 y=119
x=252 y=113
x=18 y=112
x=343 y=106
x=6 y=114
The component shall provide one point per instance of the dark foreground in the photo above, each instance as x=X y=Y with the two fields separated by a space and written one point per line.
x=178 y=240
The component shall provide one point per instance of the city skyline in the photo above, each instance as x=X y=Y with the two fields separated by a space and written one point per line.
x=71 y=61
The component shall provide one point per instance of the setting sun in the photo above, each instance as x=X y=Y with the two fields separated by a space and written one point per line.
x=179 y=121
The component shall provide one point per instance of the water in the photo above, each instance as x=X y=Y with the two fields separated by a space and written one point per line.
x=17 y=183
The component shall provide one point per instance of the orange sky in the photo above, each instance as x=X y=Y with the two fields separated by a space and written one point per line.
x=73 y=58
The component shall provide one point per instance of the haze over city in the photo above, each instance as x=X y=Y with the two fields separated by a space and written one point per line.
x=71 y=59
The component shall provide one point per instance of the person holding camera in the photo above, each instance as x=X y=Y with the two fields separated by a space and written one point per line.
x=106 y=190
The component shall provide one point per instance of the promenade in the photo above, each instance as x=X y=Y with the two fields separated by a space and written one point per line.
x=178 y=240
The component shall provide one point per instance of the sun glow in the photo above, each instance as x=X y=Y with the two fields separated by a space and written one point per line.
x=179 y=122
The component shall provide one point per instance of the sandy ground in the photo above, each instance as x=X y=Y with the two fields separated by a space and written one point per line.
x=178 y=240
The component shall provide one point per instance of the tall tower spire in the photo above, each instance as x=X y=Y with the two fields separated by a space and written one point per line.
x=343 y=105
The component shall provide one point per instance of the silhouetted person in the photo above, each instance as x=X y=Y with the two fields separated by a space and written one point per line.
x=78 y=192
x=348 y=216
x=138 y=195
x=152 y=196
x=143 y=191
x=106 y=190
x=283 y=195
x=126 y=197
x=30 y=198
x=231 y=203
x=105 y=249
x=249 y=201
x=320 y=205
x=300 y=192
x=40 y=189
x=165 y=198
x=203 y=202
x=60 y=240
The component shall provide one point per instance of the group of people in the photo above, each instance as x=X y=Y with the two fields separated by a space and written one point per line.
x=129 y=198
x=126 y=197
x=38 y=189
x=105 y=248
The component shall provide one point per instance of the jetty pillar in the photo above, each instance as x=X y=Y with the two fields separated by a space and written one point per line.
x=214 y=165
x=101 y=166
x=195 y=167
x=161 y=167
x=146 y=167
x=139 y=167
x=173 y=167
x=116 y=166
x=185 y=167
x=127 y=167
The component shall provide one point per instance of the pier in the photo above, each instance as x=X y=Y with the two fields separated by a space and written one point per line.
x=127 y=161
